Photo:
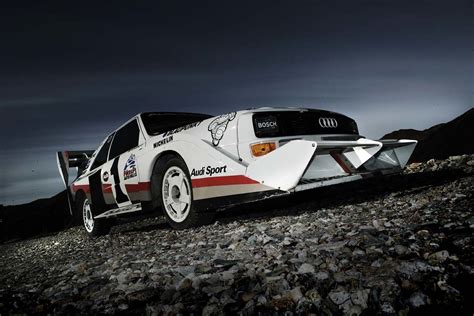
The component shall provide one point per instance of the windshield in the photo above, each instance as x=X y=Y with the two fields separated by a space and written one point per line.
x=158 y=123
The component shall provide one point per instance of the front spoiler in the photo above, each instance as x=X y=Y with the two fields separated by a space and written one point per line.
x=302 y=164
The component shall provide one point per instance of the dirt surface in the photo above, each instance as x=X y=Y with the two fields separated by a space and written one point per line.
x=398 y=245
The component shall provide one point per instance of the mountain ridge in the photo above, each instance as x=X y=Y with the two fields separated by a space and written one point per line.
x=441 y=140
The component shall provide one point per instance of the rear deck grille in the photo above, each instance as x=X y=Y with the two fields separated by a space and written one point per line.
x=295 y=123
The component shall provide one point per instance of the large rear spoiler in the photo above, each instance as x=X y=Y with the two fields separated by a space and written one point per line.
x=319 y=162
x=71 y=159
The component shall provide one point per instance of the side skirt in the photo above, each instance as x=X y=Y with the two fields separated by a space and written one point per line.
x=121 y=210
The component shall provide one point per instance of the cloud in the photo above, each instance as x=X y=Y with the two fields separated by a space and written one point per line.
x=27 y=102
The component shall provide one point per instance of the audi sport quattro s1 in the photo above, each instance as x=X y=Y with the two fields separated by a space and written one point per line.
x=189 y=165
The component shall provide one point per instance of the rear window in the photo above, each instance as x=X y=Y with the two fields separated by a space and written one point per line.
x=101 y=157
x=294 y=123
x=158 y=123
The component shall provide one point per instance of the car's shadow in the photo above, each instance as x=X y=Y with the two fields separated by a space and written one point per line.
x=134 y=225
x=339 y=195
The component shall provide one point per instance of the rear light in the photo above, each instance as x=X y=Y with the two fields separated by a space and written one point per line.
x=262 y=148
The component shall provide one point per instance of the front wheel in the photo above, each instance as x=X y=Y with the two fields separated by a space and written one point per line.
x=171 y=184
x=93 y=227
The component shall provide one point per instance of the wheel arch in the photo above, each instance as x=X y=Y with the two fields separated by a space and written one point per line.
x=164 y=153
x=76 y=213
x=154 y=203
x=78 y=193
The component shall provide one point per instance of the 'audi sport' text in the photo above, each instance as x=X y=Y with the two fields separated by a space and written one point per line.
x=208 y=171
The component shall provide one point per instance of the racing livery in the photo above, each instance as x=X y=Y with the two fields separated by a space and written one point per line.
x=190 y=165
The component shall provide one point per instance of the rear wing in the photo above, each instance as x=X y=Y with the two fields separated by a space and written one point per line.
x=319 y=163
x=72 y=159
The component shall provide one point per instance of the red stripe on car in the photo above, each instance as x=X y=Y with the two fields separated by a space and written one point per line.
x=107 y=188
x=226 y=180
x=83 y=187
x=140 y=186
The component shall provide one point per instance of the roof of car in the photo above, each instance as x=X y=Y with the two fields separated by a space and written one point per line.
x=174 y=113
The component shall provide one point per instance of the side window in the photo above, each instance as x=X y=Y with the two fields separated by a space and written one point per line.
x=101 y=157
x=125 y=139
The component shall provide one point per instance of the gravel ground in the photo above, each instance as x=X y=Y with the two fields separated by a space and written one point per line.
x=401 y=245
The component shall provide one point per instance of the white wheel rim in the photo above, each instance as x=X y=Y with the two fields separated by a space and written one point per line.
x=176 y=194
x=87 y=216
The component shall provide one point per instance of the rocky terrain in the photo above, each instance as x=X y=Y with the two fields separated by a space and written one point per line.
x=393 y=246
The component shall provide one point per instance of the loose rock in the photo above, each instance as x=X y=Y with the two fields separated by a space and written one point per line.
x=396 y=245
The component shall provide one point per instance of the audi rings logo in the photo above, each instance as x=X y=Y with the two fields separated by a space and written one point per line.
x=327 y=122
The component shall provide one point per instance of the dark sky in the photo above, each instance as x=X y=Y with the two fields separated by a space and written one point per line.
x=70 y=72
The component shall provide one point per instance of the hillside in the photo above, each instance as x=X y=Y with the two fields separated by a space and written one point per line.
x=41 y=216
x=442 y=140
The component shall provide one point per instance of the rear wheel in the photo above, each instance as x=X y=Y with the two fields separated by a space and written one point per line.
x=93 y=227
x=171 y=184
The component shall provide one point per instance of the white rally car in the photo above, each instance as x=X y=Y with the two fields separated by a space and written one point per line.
x=189 y=165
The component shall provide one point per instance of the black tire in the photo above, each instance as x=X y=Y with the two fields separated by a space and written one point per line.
x=163 y=167
x=99 y=226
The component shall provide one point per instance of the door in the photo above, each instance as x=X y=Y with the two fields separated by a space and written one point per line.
x=122 y=164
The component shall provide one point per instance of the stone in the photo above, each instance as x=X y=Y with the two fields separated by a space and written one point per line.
x=418 y=299
x=358 y=253
x=339 y=296
x=210 y=310
x=439 y=257
x=360 y=297
x=376 y=224
x=123 y=307
x=387 y=309
x=400 y=250
x=295 y=294
x=306 y=268
x=261 y=299
x=321 y=275
x=185 y=284
x=287 y=241
x=313 y=296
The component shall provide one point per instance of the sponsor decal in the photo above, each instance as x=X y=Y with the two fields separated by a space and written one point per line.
x=105 y=176
x=267 y=124
x=327 y=122
x=208 y=171
x=163 y=141
x=218 y=126
x=130 y=169
x=270 y=125
x=180 y=129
